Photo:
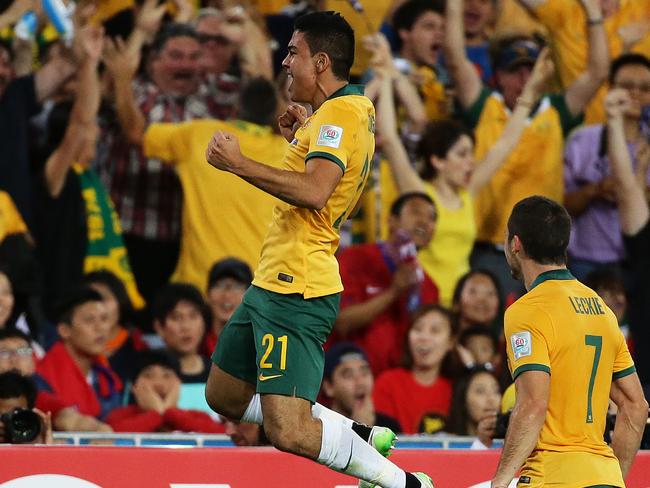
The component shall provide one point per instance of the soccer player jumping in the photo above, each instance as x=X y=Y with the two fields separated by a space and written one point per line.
x=268 y=363
x=568 y=357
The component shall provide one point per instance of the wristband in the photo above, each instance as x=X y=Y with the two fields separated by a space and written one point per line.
x=598 y=21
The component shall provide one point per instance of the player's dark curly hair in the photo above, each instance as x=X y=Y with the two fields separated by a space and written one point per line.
x=329 y=33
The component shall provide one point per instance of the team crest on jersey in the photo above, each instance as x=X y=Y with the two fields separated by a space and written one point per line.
x=521 y=344
x=330 y=136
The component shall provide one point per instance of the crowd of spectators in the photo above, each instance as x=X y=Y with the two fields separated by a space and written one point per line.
x=123 y=253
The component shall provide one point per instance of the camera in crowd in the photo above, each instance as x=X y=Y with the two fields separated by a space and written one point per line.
x=21 y=426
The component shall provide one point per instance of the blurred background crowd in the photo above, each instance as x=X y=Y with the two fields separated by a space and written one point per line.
x=123 y=253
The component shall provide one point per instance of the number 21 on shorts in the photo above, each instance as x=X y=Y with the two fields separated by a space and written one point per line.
x=268 y=341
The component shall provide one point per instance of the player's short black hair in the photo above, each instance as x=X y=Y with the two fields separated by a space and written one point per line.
x=438 y=138
x=627 y=59
x=544 y=228
x=171 y=294
x=330 y=33
x=15 y=385
x=398 y=205
x=74 y=298
x=258 y=101
x=117 y=288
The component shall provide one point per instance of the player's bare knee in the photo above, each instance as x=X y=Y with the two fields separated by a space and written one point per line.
x=283 y=436
x=227 y=395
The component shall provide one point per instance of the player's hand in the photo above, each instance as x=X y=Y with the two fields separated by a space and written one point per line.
x=405 y=276
x=617 y=103
x=223 y=152
x=291 y=120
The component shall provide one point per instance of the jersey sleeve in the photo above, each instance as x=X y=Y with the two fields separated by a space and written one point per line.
x=333 y=134
x=623 y=364
x=167 y=141
x=528 y=334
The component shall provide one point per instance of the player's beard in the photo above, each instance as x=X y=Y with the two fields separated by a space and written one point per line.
x=515 y=271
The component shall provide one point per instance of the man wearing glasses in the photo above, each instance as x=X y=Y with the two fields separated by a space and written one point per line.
x=590 y=198
x=16 y=354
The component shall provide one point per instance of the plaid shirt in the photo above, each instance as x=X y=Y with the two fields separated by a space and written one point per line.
x=147 y=192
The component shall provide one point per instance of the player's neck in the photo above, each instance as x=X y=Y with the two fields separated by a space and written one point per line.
x=324 y=89
x=531 y=270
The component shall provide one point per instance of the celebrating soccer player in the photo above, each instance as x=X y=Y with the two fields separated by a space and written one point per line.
x=568 y=357
x=268 y=363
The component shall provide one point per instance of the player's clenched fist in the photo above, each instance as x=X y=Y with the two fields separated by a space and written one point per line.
x=223 y=152
x=291 y=120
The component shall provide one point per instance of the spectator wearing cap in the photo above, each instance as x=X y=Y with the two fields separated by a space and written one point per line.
x=74 y=368
x=232 y=221
x=156 y=390
x=384 y=283
x=227 y=282
x=535 y=164
x=180 y=318
x=596 y=239
x=625 y=22
x=348 y=383
x=17 y=354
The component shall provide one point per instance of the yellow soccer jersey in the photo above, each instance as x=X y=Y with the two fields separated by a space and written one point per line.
x=567 y=25
x=298 y=252
x=563 y=328
x=223 y=215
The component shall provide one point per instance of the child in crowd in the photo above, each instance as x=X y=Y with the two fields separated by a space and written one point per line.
x=481 y=344
x=156 y=390
x=424 y=384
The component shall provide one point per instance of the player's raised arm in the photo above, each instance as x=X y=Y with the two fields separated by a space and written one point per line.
x=310 y=189
x=631 y=418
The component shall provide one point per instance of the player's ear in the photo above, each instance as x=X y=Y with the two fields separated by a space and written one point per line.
x=322 y=62
x=516 y=245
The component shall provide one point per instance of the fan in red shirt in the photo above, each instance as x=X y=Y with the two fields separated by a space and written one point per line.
x=422 y=389
x=384 y=283
x=156 y=390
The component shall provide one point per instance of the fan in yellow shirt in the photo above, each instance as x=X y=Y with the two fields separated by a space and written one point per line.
x=627 y=25
x=223 y=216
x=568 y=357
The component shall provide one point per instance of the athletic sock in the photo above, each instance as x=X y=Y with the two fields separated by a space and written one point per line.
x=344 y=451
x=412 y=481
x=362 y=430
x=253 y=413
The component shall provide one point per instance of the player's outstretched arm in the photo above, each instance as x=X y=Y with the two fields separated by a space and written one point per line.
x=311 y=189
x=525 y=424
x=631 y=418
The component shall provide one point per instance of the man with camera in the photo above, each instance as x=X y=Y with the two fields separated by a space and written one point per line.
x=20 y=421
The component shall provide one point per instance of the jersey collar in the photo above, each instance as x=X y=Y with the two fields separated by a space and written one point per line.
x=348 y=89
x=554 y=274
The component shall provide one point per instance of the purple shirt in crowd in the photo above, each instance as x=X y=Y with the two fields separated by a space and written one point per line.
x=596 y=233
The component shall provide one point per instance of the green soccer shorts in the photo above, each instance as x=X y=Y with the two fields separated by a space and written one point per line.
x=275 y=342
